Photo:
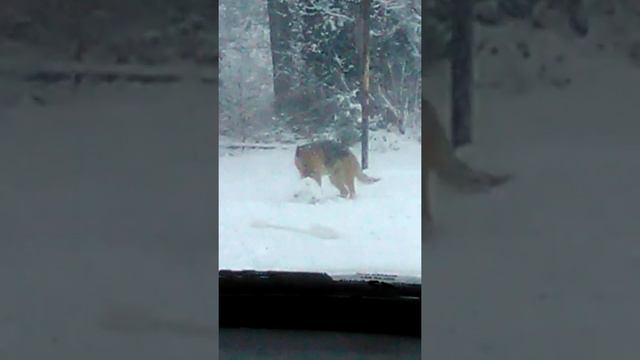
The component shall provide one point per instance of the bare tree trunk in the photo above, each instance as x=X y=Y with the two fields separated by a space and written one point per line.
x=279 y=18
x=462 y=72
x=364 y=85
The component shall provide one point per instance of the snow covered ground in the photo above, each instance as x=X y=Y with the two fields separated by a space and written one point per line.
x=547 y=266
x=378 y=232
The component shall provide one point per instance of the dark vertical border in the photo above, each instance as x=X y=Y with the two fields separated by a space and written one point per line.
x=424 y=177
x=423 y=310
x=216 y=125
x=66 y=300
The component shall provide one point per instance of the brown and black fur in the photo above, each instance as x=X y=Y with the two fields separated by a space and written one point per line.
x=331 y=158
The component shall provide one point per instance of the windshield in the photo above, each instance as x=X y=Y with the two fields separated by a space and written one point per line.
x=303 y=184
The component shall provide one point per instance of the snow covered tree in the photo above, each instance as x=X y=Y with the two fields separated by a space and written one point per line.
x=245 y=69
x=326 y=67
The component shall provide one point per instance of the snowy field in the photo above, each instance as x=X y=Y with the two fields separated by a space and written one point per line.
x=547 y=266
x=263 y=226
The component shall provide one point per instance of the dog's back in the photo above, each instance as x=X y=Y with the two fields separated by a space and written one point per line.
x=327 y=157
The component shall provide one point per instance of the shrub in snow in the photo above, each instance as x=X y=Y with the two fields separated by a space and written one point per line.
x=382 y=141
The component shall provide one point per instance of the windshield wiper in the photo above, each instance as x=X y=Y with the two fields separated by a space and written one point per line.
x=368 y=303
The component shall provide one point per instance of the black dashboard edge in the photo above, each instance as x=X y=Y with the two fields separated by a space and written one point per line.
x=317 y=301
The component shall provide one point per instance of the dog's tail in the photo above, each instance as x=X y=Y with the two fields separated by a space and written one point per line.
x=439 y=153
x=366 y=179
